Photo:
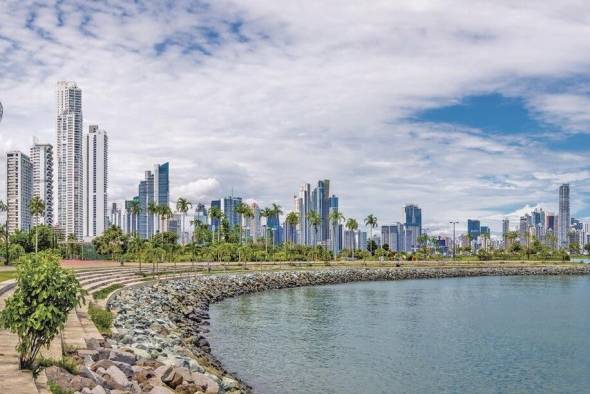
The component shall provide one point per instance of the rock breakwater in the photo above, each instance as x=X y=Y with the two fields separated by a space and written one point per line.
x=169 y=321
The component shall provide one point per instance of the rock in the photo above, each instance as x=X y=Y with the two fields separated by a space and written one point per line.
x=105 y=364
x=144 y=375
x=125 y=368
x=150 y=363
x=92 y=343
x=229 y=383
x=173 y=378
x=124 y=357
x=118 y=377
x=161 y=390
x=188 y=388
x=161 y=371
x=209 y=385
x=67 y=381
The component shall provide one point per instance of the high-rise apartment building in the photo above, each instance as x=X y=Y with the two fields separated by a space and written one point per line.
x=41 y=156
x=19 y=191
x=563 y=219
x=505 y=231
x=303 y=206
x=95 y=196
x=69 y=159
x=155 y=188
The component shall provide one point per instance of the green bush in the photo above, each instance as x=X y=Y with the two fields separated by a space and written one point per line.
x=39 y=307
x=55 y=389
x=103 y=293
x=102 y=319
x=67 y=363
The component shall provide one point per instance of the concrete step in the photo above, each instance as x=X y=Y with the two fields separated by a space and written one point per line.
x=96 y=286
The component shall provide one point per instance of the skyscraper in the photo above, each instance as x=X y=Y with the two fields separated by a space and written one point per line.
x=153 y=189
x=473 y=228
x=413 y=226
x=303 y=207
x=19 y=190
x=334 y=233
x=69 y=158
x=42 y=160
x=95 y=156
x=563 y=218
x=505 y=231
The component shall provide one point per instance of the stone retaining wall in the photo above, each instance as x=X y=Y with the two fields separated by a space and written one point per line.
x=168 y=321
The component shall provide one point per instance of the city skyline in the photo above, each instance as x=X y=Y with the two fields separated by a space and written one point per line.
x=461 y=142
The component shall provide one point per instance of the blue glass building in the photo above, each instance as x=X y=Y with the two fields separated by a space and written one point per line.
x=473 y=228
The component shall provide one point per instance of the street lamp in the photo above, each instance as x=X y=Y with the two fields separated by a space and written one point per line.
x=454 y=243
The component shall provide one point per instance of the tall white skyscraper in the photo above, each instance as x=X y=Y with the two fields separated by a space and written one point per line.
x=95 y=182
x=42 y=160
x=69 y=159
x=19 y=190
x=563 y=218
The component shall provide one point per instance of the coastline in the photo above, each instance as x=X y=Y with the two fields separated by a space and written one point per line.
x=168 y=321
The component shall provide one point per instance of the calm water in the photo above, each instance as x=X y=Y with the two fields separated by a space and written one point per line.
x=464 y=335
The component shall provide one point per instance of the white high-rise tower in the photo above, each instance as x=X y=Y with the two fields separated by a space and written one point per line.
x=95 y=182
x=69 y=158
x=19 y=185
x=42 y=159
x=563 y=218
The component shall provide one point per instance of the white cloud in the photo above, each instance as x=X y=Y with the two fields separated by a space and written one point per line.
x=300 y=91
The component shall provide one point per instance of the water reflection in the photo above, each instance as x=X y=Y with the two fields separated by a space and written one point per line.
x=512 y=334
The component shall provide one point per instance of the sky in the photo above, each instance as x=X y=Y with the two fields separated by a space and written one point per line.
x=470 y=109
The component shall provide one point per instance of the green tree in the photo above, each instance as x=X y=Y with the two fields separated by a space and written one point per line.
x=587 y=248
x=112 y=242
x=135 y=210
x=165 y=215
x=314 y=219
x=39 y=307
x=371 y=222
x=4 y=208
x=266 y=213
x=154 y=210
x=182 y=206
x=215 y=213
x=37 y=208
x=335 y=218
x=352 y=225
x=291 y=221
x=245 y=211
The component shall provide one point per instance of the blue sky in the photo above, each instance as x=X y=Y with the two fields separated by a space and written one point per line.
x=470 y=109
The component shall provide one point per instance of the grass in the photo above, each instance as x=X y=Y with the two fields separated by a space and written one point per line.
x=6 y=275
x=102 y=319
x=103 y=293
x=55 y=389
x=67 y=363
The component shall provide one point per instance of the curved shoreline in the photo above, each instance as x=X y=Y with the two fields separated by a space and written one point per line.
x=168 y=321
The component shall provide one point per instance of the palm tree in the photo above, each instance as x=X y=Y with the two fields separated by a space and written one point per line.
x=314 y=220
x=266 y=213
x=182 y=206
x=352 y=225
x=371 y=222
x=215 y=213
x=277 y=210
x=335 y=218
x=241 y=209
x=36 y=207
x=4 y=208
x=154 y=210
x=135 y=210
x=165 y=215
x=291 y=220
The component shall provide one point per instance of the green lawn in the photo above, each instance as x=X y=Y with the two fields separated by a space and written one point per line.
x=5 y=275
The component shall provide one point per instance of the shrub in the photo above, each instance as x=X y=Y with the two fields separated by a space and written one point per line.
x=102 y=318
x=103 y=293
x=39 y=307
x=67 y=363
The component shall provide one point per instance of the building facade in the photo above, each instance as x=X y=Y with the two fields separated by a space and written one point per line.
x=154 y=188
x=95 y=155
x=69 y=159
x=563 y=218
x=41 y=156
x=19 y=191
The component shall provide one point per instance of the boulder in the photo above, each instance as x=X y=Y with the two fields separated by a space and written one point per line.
x=123 y=357
x=67 y=381
x=173 y=378
x=105 y=364
x=143 y=375
x=161 y=390
x=209 y=385
x=229 y=383
x=126 y=368
x=116 y=379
